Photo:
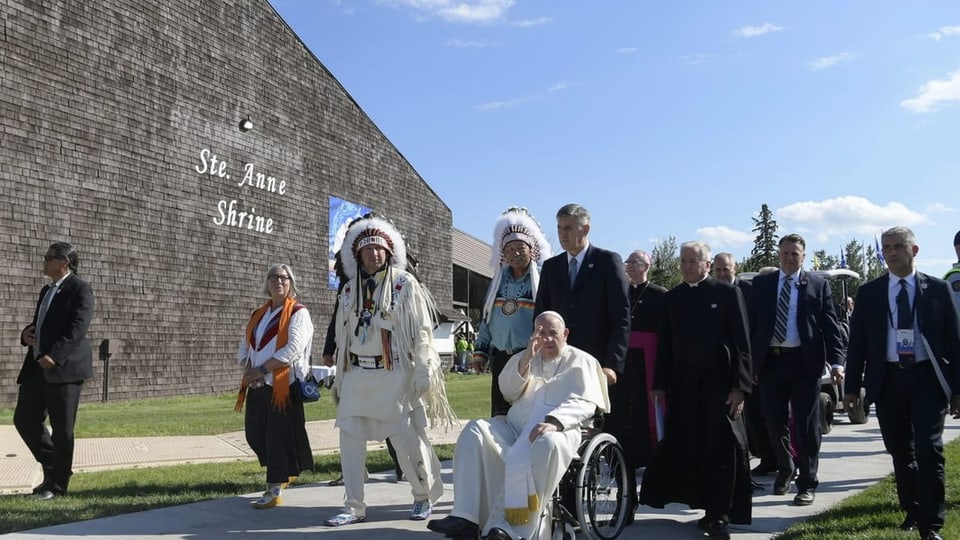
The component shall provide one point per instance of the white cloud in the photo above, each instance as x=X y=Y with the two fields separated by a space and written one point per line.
x=934 y=93
x=843 y=217
x=943 y=31
x=694 y=59
x=721 y=237
x=830 y=61
x=527 y=23
x=754 y=31
x=475 y=11
x=626 y=50
x=938 y=208
x=503 y=104
x=465 y=44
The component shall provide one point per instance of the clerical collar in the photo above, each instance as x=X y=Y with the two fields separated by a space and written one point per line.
x=698 y=282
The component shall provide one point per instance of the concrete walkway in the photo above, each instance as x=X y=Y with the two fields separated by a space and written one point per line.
x=852 y=458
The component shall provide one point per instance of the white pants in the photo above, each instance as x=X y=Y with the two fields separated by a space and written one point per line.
x=418 y=461
x=478 y=474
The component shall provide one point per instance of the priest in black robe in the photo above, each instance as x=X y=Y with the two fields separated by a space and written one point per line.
x=632 y=419
x=703 y=373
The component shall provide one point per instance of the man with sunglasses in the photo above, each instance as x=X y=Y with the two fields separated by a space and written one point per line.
x=57 y=362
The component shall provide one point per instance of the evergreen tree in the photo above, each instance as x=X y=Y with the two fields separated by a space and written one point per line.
x=665 y=264
x=765 y=250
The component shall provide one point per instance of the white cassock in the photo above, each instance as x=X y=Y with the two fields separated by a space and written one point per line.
x=569 y=388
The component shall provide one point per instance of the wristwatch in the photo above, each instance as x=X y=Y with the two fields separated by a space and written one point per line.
x=263 y=369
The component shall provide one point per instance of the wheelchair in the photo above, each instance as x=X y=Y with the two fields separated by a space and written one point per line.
x=592 y=495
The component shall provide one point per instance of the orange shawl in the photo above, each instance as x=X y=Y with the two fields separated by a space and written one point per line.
x=281 y=392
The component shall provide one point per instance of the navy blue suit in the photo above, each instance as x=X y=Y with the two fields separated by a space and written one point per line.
x=597 y=310
x=794 y=377
x=56 y=391
x=910 y=402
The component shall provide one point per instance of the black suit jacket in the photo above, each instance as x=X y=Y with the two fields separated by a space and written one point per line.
x=870 y=323
x=820 y=337
x=64 y=334
x=597 y=310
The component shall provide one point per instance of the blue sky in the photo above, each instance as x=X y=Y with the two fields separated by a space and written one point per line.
x=666 y=118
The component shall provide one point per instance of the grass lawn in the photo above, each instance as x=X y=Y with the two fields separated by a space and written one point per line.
x=872 y=514
x=206 y=415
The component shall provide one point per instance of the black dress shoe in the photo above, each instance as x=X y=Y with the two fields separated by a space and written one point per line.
x=908 y=524
x=764 y=469
x=805 y=497
x=932 y=535
x=454 y=527
x=718 y=529
x=781 y=485
x=497 y=533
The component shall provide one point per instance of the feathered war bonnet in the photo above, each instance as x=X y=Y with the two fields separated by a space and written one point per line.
x=516 y=224
x=372 y=231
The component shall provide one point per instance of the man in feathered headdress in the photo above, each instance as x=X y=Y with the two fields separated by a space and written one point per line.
x=519 y=248
x=388 y=372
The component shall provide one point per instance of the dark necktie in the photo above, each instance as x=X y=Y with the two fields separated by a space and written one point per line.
x=573 y=272
x=904 y=317
x=783 y=307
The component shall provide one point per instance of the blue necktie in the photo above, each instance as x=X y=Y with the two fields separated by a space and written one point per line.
x=783 y=307
x=573 y=272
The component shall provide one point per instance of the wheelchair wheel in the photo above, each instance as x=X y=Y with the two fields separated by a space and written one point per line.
x=601 y=489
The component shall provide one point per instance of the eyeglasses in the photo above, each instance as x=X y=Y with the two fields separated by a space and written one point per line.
x=48 y=258
x=633 y=263
x=277 y=279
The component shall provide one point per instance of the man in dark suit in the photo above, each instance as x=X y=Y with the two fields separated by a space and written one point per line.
x=725 y=269
x=590 y=293
x=703 y=371
x=57 y=362
x=794 y=331
x=905 y=349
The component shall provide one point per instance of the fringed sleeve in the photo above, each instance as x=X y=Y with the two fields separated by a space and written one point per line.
x=413 y=314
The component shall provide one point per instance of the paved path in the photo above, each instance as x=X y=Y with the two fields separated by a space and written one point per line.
x=852 y=459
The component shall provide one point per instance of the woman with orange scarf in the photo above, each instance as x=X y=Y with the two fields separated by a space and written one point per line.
x=275 y=352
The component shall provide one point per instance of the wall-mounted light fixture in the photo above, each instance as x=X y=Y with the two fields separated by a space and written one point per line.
x=246 y=124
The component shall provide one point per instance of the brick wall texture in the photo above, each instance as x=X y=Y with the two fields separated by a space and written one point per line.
x=112 y=114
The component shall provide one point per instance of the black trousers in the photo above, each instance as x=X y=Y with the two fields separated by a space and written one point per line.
x=785 y=387
x=498 y=360
x=53 y=450
x=279 y=438
x=911 y=410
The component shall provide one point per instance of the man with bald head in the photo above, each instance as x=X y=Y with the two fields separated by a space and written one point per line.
x=725 y=269
x=633 y=418
x=503 y=463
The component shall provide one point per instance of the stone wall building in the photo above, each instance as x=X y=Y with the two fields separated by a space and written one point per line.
x=121 y=133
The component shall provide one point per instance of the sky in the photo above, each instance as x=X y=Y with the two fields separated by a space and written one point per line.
x=666 y=118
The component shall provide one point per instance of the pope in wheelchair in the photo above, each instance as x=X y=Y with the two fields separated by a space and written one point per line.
x=507 y=468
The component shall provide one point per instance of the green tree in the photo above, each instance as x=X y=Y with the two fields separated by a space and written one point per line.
x=747 y=264
x=822 y=261
x=853 y=252
x=665 y=264
x=765 y=249
x=874 y=267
